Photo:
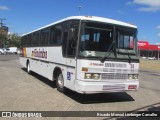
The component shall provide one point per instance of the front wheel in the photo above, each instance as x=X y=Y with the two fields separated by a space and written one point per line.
x=60 y=83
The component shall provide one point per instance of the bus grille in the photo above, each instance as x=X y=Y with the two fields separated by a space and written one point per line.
x=112 y=70
x=111 y=76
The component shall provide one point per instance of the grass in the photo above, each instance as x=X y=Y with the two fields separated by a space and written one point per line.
x=153 y=65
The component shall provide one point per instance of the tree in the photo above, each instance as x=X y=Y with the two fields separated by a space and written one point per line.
x=14 y=40
x=9 y=40
x=3 y=39
x=3 y=35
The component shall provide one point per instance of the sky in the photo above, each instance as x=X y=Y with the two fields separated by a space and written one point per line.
x=23 y=16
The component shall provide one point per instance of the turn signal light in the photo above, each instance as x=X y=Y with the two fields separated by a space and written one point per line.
x=84 y=69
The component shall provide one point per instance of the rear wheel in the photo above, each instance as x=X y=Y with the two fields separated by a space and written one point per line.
x=60 y=83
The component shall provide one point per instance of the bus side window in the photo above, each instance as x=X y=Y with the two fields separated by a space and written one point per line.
x=44 y=37
x=72 y=42
x=24 y=41
x=29 y=40
x=56 y=35
x=36 y=36
x=65 y=38
x=52 y=34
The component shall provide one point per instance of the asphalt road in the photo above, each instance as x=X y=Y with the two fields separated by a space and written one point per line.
x=22 y=92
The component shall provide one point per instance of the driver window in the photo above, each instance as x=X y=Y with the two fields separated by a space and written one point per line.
x=71 y=51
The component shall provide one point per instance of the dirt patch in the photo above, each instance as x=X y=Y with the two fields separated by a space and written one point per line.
x=150 y=65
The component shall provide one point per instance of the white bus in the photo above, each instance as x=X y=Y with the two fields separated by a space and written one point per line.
x=85 y=54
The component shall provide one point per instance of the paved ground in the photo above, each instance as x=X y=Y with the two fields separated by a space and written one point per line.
x=22 y=92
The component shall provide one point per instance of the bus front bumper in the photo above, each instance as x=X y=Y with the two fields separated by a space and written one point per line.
x=86 y=87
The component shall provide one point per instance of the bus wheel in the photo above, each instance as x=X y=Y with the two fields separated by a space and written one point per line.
x=60 y=82
x=28 y=68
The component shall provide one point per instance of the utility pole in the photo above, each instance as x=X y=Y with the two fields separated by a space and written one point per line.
x=1 y=22
x=79 y=9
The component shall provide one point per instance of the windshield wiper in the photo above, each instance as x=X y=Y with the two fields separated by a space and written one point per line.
x=129 y=61
x=106 y=55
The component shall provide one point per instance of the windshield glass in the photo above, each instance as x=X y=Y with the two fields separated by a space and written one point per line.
x=125 y=38
x=96 y=39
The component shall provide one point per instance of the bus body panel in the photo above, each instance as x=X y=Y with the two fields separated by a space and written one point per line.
x=113 y=76
x=23 y=61
x=45 y=65
x=104 y=87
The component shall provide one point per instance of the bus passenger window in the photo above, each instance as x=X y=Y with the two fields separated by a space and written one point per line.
x=65 y=37
x=58 y=35
x=52 y=32
x=44 y=37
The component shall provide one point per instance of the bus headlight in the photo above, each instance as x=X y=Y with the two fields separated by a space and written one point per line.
x=88 y=76
x=135 y=76
x=132 y=76
x=94 y=76
x=129 y=77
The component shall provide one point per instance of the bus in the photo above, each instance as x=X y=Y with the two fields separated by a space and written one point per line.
x=86 y=54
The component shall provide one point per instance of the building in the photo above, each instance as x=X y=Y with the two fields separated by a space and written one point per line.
x=147 y=50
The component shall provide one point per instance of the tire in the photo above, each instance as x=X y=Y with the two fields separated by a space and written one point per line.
x=28 y=68
x=60 y=83
x=0 y=52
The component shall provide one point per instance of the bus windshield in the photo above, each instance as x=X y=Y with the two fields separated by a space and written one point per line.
x=125 y=38
x=96 y=39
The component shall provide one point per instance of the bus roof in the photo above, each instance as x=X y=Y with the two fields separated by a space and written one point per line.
x=91 y=18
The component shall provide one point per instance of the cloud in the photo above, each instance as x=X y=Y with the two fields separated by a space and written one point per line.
x=158 y=43
x=3 y=7
x=148 y=9
x=158 y=27
x=129 y=3
x=148 y=2
x=151 y=5
x=121 y=12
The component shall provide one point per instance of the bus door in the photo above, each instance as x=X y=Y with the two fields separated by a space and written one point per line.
x=71 y=42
